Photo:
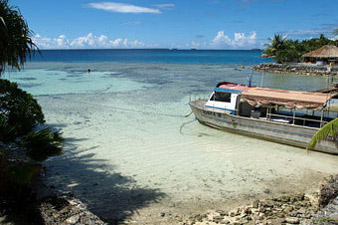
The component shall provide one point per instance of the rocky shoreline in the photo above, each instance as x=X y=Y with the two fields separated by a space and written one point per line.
x=278 y=210
x=58 y=210
x=316 y=208
x=297 y=68
x=51 y=208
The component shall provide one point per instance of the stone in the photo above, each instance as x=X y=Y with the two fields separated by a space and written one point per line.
x=73 y=219
x=292 y=220
x=301 y=211
x=288 y=209
x=216 y=218
x=255 y=204
x=261 y=209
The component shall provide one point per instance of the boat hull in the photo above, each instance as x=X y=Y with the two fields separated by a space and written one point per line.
x=289 y=134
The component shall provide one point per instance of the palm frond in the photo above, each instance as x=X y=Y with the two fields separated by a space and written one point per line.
x=329 y=129
x=16 y=44
x=335 y=32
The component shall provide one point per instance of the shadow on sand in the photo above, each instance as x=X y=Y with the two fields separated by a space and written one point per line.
x=109 y=195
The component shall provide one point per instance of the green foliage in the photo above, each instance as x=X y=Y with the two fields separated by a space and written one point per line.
x=276 y=45
x=24 y=173
x=16 y=44
x=42 y=144
x=335 y=32
x=284 y=50
x=329 y=129
x=6 y=132
x=20 y=114
x=19 y=108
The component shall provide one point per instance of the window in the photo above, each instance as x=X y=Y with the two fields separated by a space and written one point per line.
x=221 y=97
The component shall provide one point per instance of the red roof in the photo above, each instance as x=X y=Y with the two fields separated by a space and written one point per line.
x=232 y=86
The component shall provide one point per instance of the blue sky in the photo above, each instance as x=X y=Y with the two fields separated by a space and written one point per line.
x=201 y=24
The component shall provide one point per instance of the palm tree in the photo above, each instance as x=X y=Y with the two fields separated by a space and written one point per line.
x=329 y=129
x=276 y=44
x=16 y=45
x=335 y=32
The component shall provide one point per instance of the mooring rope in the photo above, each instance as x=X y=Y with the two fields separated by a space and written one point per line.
x=183 y=124
x=189 y=114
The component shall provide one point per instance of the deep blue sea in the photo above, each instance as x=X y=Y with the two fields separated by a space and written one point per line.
x=246 y=57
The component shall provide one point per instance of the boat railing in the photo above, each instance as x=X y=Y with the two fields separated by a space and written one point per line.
x=292 y=119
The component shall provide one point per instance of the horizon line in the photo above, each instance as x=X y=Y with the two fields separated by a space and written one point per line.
x=169 y=49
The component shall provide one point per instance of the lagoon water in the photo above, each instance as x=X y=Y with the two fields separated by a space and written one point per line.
x=131 y=154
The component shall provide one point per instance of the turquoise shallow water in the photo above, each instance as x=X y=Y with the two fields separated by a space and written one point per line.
x=130 y=153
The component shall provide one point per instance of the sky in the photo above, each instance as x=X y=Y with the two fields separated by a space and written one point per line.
x=183 y=24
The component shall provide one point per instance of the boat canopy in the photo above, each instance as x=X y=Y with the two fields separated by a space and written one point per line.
x=231 y=87
x=289 y=99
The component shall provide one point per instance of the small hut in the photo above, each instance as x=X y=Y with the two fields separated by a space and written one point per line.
x=323 y=55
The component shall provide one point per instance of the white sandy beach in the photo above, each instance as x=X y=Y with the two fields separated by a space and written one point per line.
x=131 y=154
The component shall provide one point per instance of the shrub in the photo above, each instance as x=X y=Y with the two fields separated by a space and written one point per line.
x=6 y=132
x=19 y=108
x=42 y=144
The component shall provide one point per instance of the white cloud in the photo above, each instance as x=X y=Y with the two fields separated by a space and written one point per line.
x=310 y=31
x=165 y=6
x=122 y=7
x=195 y=44
x=132 y=23
x=240 y=40
x=89 y=41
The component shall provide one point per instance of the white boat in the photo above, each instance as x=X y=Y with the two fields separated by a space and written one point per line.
x=284 y=116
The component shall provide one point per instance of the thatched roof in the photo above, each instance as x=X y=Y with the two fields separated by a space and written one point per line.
x=327 y=51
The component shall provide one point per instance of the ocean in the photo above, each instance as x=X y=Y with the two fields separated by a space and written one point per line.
x=247 y=57
x=131 y=153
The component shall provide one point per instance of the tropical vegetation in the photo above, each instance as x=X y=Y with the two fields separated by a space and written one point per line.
x=285 y=50
x=25 y=140
x=335 y=32
x=328 y=130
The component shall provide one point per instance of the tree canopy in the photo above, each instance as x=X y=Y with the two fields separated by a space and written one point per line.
x=16 y=45
x=287 y=50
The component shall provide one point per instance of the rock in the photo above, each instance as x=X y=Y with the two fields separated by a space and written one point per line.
x=301 y=211
x=247 y=210
x=288 y=209
x=292 y=220
x=162 y=214
x=296 y=68
x=267 y=191
x=221 y=212
x=261 y=209
x=255 y=204
x=217 y=218
x=73 y=219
